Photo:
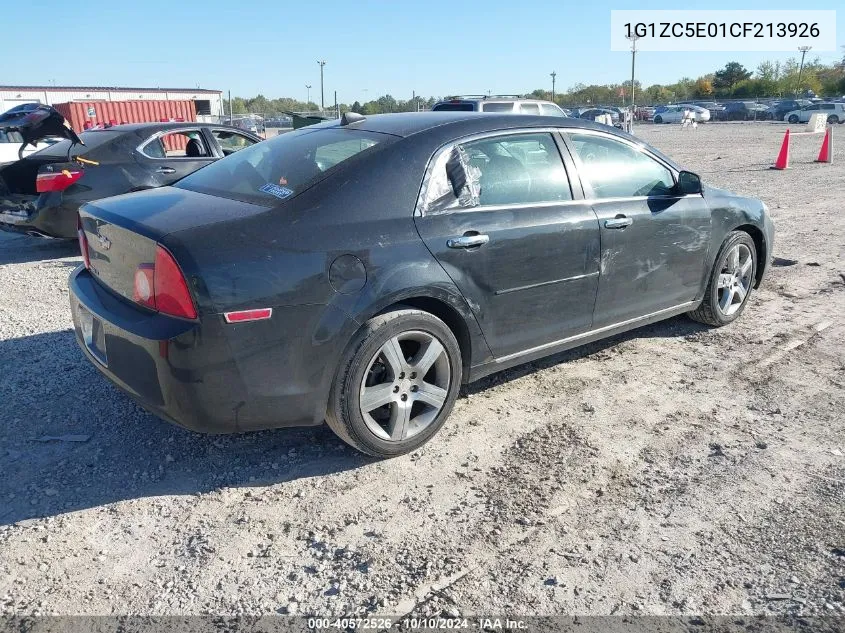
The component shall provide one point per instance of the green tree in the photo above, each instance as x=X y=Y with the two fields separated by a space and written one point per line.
x=724 y=80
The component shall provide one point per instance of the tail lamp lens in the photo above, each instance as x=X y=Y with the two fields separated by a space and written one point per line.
x=83 y=242
x=162 y=286
x=56 y=180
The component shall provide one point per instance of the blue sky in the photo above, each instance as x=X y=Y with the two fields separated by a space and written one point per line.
x=372 y=47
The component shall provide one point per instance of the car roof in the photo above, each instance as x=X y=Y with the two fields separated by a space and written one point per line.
x=406 y=124
x=168 y=125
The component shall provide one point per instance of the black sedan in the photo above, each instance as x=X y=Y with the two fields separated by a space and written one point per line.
x=41 y=194
x=359 y=271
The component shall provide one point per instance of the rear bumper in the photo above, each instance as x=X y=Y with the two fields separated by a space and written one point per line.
x=186 y=373
x=47 y=215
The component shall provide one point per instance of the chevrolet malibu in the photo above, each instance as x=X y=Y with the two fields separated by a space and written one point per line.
x=359 y=271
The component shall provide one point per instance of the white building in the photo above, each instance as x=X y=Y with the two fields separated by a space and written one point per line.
x=209 y=103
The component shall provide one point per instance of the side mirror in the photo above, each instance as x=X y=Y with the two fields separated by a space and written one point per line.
x=689 y=183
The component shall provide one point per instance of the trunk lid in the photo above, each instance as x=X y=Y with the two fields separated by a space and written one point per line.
x=123 y=231
x=35 y=122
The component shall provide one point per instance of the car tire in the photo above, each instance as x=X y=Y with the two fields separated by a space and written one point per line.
x=732 y=278
x=833 y=119
x=658 y=119
x=410 y=406
x=793 y=118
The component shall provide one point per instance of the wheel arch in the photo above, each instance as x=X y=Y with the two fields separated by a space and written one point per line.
x=447 y=313
x=761 y=246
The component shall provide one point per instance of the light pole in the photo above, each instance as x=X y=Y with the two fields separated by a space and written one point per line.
x=803 y=50
x=322 y=63
x=553 y=75
x=633 y=39
x=308 y=87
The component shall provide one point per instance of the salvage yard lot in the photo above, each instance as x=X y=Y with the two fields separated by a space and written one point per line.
x=674 y=469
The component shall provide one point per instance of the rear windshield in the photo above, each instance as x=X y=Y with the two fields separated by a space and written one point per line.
x=92 y=139
x=283 y=166
x=453 y=107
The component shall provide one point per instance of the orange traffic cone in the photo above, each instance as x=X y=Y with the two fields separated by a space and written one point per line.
x=782 y=161
x=826 y=152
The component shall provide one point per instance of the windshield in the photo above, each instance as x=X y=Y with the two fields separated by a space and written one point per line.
x=92 y=139
x=283 y=166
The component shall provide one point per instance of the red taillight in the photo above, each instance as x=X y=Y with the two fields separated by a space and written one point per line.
x=161 y=286
x=171 y=289
x=83 y=242
x=56 y=180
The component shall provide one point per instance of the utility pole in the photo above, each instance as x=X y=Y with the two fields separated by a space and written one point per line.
x=308 y=87
x=231 y=118
x=553 y=75
x=803 y=50
x=633 y=39
x=322 y=63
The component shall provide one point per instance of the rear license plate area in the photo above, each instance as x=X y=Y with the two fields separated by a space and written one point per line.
x=93 y=335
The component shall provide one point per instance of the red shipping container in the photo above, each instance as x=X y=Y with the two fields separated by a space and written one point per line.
x=81 y=115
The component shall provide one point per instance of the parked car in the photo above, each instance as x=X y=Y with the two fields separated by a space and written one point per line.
x=675 y=114
x=41 y=194
x=645 y=113
x=777 y=110
x=311 y=277
x=500 y=104
x=835 y=113
x=713 y=107
x=743 y=111
x=590 y=114
x=12 y=146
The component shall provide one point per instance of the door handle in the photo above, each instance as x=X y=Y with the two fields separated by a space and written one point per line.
x=165 y=170
x=468 y=241
x=619 y=222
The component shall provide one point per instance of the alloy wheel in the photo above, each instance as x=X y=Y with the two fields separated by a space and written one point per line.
x=735 y=279
x=405 y=386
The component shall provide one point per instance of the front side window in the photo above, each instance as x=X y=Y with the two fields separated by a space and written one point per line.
x=283 y=166
x=501 y=170
x=617 y=170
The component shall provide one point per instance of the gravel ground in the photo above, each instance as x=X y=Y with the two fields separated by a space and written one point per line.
x=672 y=470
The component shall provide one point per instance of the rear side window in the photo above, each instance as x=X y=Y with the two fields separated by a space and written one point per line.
x=181 y=144
x=515 y=169
x=453 y=107
x=529 y=108
x=497 y=107
x=280 y=168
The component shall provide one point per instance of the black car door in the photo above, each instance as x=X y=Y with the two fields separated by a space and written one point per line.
x=654 y=241
x=172 y=154
x=524 y=247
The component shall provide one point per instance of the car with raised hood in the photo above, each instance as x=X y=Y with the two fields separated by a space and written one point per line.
x=360 y=271
x=40 y=194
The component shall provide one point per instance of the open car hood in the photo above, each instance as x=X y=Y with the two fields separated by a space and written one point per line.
x=35 y=122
